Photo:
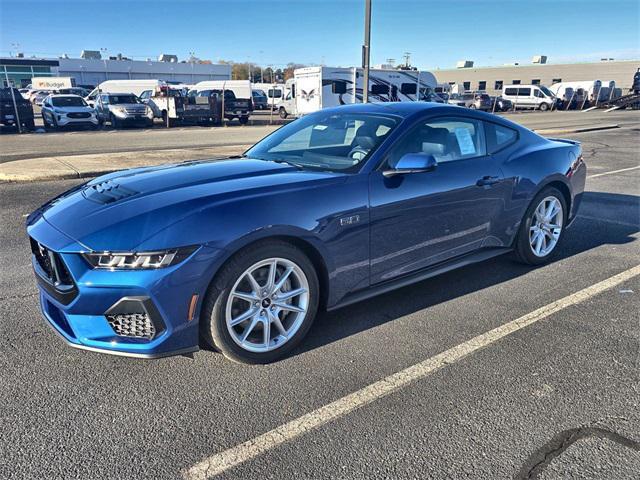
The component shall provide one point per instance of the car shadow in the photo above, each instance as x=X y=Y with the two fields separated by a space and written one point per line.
x=610 y=219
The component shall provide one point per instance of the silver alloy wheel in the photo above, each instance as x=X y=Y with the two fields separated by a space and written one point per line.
x=546 y=226
x=267 y=305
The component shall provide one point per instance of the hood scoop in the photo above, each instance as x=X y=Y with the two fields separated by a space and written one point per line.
x=107 y=192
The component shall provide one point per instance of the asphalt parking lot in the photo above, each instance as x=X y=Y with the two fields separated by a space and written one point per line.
x=557 y=398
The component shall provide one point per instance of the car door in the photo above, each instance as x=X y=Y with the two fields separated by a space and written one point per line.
x=421 y=219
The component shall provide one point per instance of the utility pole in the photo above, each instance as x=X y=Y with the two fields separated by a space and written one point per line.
x=407 y=59
x=366 y=54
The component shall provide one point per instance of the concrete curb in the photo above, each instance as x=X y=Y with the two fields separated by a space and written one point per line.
x=92 y=165
x=557 y=131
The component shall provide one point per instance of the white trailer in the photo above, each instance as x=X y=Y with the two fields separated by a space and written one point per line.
x=315 y=88
x=602 y=90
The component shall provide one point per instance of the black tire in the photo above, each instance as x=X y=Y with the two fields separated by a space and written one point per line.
x=544 y=107
x=473 y=106
x=283 y=113
x=524 y=253
x=212 y=319
x=243 y=120
x=30 y=124
x=115 y=123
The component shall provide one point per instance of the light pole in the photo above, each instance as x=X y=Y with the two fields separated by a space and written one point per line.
x=366 y=52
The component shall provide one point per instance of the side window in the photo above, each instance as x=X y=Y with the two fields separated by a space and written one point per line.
x=499 y=137
x=408 y=88
x=379 y=89
x=447 y=139
x=511 y=91
x=104 y=99
x=339 y=87
x=524 y=92
x=146 y=94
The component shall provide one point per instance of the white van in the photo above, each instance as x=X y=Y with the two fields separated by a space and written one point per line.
x=537 y=97
x=124 y=86
x=275 y=93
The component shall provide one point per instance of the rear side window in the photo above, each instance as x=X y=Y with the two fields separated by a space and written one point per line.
x=524 y=92
x=408 y=88
x=511 y=91
x=378 y=89
x=499 y=137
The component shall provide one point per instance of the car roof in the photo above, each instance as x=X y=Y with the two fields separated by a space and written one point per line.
x=64 y=95
x=416 y=109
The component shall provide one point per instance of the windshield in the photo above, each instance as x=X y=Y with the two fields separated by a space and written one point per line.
x=546 y=91
x=68 y=102
x=123 y=99
x=326 y=141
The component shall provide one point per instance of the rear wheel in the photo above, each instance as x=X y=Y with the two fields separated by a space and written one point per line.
x=261 y=304
x=542 y=228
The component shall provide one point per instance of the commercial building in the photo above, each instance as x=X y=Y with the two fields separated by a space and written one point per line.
x=492 y=79
x=93 y=71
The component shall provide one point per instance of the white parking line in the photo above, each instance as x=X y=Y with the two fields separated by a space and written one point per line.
x=221 y=462
x=613 y=171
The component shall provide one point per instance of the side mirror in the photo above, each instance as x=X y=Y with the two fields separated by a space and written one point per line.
x=412 y=163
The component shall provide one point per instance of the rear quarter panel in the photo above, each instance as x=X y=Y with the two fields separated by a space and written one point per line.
x=537 y=162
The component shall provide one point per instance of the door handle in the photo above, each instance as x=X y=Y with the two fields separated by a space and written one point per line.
x=487 y=181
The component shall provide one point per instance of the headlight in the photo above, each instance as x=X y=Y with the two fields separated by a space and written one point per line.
x=119 y=111
x=138 y=260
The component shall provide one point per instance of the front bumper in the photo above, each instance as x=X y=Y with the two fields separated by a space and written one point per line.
x=64 y=121
x=83 y=317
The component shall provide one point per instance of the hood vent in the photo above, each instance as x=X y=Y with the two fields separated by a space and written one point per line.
x=107 y=192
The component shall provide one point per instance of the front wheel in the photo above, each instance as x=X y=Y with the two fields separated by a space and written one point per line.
x=261 y=304
x=243 y=120
x=542 y=227
x=544 y=107
x=283 y=113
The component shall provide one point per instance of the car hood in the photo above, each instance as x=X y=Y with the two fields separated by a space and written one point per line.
x=75 y=109
x=120 y=211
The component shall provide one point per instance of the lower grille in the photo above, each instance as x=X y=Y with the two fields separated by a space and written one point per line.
x=133 y=325
x=136 y=318
x=78 y=115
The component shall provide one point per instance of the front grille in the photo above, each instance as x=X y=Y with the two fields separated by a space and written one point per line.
x=135 y=111
x=78 y=115
x=52 y=273
x=133 y=325
x=51 y=264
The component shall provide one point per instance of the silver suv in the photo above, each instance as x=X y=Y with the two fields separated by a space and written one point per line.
x=122 y=109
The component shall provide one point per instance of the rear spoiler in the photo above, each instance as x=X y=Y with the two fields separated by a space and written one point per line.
x=564 y=140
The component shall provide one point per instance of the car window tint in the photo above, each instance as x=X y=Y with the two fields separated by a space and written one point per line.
x=499 y=137
x=447 y=139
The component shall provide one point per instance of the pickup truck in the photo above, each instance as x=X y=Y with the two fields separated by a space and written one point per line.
x=176 y=108
x=239 y=108
x=8 y=111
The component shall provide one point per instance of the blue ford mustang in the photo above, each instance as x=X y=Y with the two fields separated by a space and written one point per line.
x=333 y=208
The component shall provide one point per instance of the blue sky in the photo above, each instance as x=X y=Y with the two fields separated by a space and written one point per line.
x=437 y=33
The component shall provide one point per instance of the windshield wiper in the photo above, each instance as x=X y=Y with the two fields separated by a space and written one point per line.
x=288 y=162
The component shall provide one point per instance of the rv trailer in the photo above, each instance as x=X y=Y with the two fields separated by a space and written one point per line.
x=316 y=88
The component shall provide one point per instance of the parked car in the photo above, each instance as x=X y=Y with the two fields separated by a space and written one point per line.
x=25 y=92
x=122 y=109
x=331 y=209
x=476 y=101
x=59 y=111
x=501 y=104
x=260 y=100
x=8 y=110
x=456 y=99
x=38 y=97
